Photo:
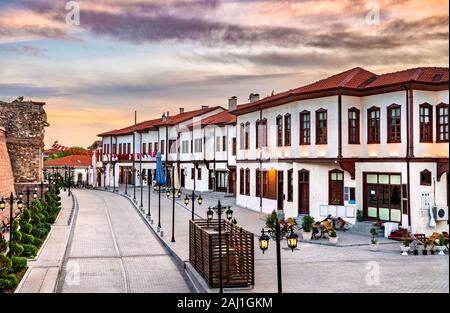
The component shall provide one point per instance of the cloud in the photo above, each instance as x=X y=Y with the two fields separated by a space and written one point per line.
x=28 y=90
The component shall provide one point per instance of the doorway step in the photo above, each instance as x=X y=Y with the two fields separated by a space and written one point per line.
x=363 y=228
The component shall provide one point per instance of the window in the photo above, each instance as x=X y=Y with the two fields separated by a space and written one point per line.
x=258 y=182
x=162 y=146
x=114 y=148
x=261 y=133
x=247 y=136
x=120 y=148
x=442 y=122
x=198 y=145
x=336 y=187
x=172 y=146
x=193 y=173
x=156 y=147
x=425 y=178
x=353 y=126
x=199 y=174
x=144 y=148
x=287 y=130
x=242 y=137
x=321 y=126
x=305 y=128
x=394 y=123
x=218 y=143
x=234 y=146
x=184 y=146
x=128 y=148
x=279 y=123
x=247 y=182
x=290 y=185
x=241 y=181
x=150 y=148
x=426 y=122
x=224 y=143
x=265 y=185
x=373 y=125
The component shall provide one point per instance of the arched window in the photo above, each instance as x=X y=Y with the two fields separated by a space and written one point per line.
x=353 y=126
x=373 y=125
x=321 y=126
x=426 y=122
x=287 y=130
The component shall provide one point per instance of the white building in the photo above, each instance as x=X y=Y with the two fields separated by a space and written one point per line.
x=355 y=141
x=186 y=141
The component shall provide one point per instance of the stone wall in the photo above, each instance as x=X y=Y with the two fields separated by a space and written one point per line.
x=6 y=175
x=24 y=123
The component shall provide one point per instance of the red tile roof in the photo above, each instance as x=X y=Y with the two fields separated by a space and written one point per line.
x=52 y=151
x=357 y=80
x=220 y=119
x=173 y=120
x=71 y=160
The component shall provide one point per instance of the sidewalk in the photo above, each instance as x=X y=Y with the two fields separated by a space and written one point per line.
x=344 y=268
x=42 y=273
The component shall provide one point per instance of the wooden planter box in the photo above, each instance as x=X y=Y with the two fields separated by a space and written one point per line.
x=238 y=262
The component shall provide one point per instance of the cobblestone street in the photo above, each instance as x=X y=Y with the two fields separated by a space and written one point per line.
x=112 y=250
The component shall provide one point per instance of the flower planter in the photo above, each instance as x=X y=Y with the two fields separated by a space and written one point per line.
x=404 y=250
x=416 y=252
x=441 y=250
x=432 y=251
x=334 y=240
x=374 y=246
x=306 y=235
x=424 y=252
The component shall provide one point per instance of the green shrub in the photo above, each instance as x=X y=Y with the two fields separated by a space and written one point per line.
x=26 y=215
x=27 y=239
x=18 y=264
x=5 y=263
x=26 y=228
x=17 y=236
x=3 y=245
x=51 y=219
x=37 y=242
x=29 y=250
x=9 y=281
x=333 y=234
x=17 y=249
x=307 y=223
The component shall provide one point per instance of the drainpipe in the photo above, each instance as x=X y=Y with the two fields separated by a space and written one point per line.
x=339 y=126
x=409 y=153
x=260 y=166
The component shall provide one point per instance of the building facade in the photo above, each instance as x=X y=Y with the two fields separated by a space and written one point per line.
x=355 y=143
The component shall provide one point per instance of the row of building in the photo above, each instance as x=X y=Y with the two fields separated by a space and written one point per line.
x=354 y=145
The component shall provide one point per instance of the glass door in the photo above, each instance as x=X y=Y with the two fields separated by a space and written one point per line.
x=382 y=197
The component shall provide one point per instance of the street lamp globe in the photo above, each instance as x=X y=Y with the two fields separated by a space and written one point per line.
x=209 y=214
x=264 y=241
x=168 y=193
x=154 y=187
x=178 y=193
x=186 y=200
x=2 y=204
x=20 y=196
x=292 y=240
x=200 y=200
x=20 y=205
x=229 y=214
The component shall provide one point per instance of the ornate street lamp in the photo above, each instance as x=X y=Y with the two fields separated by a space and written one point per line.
x=168 y=192
x=11 y=216
x=277 y=234
x=209 y=214
x=229 y=214
x=264 y=241
x=186 y=200
x=35 y=193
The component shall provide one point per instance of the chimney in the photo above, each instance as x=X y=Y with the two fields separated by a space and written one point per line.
x=181 y=110
x=232 y=103
x=204 y=107
x=253 y=97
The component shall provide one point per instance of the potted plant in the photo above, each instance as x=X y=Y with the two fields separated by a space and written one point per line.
x=307 y=223
x=405 y=247
x=333 y=237
x=373 y=239
x=441 y=246
x=425 y=249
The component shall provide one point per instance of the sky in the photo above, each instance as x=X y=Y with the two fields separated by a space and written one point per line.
x=154 y=56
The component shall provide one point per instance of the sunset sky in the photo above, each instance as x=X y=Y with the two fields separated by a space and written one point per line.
x=154 y=56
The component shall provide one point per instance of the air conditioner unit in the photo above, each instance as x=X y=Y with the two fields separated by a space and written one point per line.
x=440 y=213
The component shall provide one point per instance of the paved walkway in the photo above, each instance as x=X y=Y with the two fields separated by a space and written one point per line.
x=42 y=274
x=112 y=250
x=313 y=267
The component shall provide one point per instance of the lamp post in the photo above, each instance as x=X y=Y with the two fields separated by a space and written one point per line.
x=199 y=200
x=173 y=204
x=127 y=172
x=42 y=190
x=11 y=216
x=65 y=177
x=278 y=234
x=141 y=207
x=114 y=176
x=210 y=213
x=149 y=183
x=70 y=180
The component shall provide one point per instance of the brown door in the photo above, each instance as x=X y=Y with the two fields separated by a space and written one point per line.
x=210 y=180
x=303 y=192
x=280 y=191
x=232 y=181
